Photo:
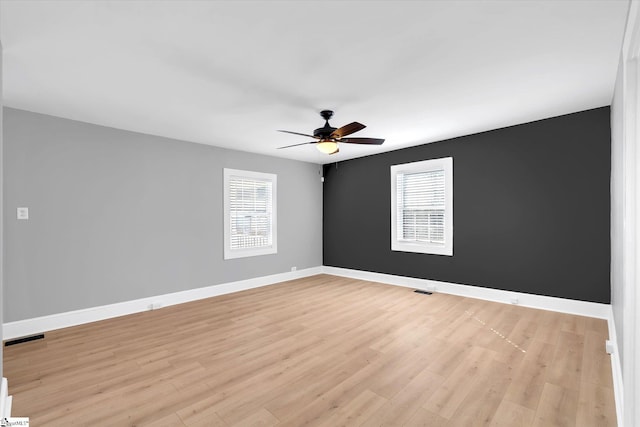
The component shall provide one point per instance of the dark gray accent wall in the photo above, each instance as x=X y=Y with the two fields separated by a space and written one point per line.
x=531 y=210
x=117 y=215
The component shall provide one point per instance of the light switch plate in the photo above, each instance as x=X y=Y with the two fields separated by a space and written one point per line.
x=23 y=213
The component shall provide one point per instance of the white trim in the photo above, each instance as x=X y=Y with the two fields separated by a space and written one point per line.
x=629 y=235
x=398 y=244
x=616 y=368
x=51 y=322
x=42 y=324
x=581 y=308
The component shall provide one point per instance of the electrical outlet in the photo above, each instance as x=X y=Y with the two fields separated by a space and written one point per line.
x=608 y=346
x=294 y=268
x=515 y=301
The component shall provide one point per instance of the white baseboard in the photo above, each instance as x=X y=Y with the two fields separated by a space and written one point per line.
x=581 y=308
x=42 y=324
x=616 y=369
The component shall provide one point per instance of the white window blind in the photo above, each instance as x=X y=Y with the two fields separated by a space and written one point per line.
x=250 y=210
x=422 y=207
x=249 y=213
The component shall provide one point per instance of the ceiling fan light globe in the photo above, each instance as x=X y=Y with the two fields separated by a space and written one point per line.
x=327 y=147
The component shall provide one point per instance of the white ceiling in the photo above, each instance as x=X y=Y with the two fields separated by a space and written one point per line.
x=230 y=73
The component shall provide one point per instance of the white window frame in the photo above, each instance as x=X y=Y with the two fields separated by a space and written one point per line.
x=397 y=244
x=231 y=253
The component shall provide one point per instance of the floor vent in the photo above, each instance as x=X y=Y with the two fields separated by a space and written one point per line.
x=24 y=339
x=420 y=291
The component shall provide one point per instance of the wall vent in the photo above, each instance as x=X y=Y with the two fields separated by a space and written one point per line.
x=23 y=339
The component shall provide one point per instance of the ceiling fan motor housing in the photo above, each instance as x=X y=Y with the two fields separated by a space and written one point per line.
x=325 y=131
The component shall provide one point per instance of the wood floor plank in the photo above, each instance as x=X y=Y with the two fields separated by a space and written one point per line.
x=596 y=363
x=424 y=418
x=260 y=418
x=596 y=407
x=201 y=410
x=300 y=389
x=447 y=398
x=322 y=350
x=511 y=414
x=549 y=326
x=484 y=397
x=400 y=409
x=303 y=407
x=558 y=407
x=566 y=367
x=396 y=375
x=526 y=387
x=171 y=420
x=356 y=411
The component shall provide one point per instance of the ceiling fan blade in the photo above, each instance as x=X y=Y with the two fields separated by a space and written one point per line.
x=295 y=145
x=347 y=130
x=298 y=133
x=369 y=141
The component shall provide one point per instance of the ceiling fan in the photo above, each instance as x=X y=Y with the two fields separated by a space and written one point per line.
x=328 y=137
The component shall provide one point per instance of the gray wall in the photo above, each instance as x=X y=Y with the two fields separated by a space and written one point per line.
x=117 y=215
x=531 y=210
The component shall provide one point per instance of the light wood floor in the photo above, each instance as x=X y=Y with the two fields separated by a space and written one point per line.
x=320 y=351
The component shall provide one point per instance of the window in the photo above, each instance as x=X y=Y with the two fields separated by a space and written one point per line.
x=422 y=207
x=249 y=214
